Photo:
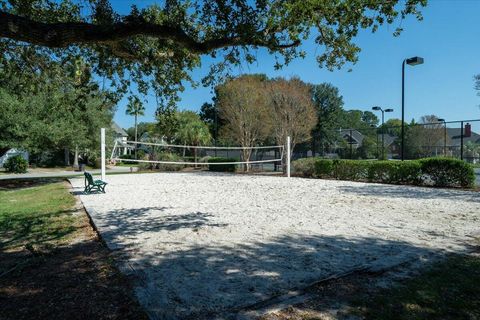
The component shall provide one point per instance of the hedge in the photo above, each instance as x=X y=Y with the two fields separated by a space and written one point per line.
x=440 y=172
x=444 y=172
x=221 y=167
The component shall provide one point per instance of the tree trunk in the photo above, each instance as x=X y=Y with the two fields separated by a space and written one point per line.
x=195 y=156
x=135 y=135
x=246 y=157
x=67 y=156
x=75 y=159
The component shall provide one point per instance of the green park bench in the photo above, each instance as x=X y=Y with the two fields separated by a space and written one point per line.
x=93 y=185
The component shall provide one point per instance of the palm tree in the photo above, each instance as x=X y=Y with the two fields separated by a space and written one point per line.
x=135 y=108
x=192 y=130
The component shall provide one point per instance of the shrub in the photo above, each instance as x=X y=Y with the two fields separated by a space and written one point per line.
x=409 y=172
x=221 y=167
x=304 y=167
x=350 y=169
x=441 y=172
x=448 y=172
x=162 y=156
x=323 y=168
x=396 y=172
x=16 y=164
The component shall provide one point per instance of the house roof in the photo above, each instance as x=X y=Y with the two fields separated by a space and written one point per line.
x=388 y=138
x=455 y=136
x=355 y=138
x=118 y=130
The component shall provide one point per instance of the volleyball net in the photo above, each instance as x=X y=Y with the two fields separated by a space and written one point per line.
x=158 y=152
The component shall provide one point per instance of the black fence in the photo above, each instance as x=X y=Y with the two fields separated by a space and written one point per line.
x=458 y=139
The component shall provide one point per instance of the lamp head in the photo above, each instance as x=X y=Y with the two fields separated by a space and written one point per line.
x=376 y=108
x=388 y=110
x=441 y=120
x=414 y=61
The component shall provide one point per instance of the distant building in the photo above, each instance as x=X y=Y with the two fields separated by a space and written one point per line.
x=454 y=135
x=392 y=145
x=352 y=137
x=121 y=138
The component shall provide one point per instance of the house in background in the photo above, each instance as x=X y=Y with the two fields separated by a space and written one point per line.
x=352 y=137
x=392 y=146
x=7 y=153
x=471 y=143
x=121 y=138
x=455 y=137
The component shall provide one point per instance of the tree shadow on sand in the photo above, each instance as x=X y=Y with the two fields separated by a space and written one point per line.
x=221 y=280
x=116 y=225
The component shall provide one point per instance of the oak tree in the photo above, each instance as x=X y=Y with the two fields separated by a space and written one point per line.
x=158 y=46
x=292 y=111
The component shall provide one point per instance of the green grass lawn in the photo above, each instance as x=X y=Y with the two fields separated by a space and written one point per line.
x=448 y=290
x=35 y=215
x=52 y=265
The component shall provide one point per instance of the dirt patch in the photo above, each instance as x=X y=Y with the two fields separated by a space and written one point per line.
x=76 y=281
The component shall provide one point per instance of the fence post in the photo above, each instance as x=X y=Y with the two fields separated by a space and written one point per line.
x=351 y=144
x=288 y=156
x=461 y=141
x=102 y=147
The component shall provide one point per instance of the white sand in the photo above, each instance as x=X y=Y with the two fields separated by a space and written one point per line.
x=203 y=242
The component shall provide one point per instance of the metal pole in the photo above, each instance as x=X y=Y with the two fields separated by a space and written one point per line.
x=383 y=135
x=288 y=156
x=461 y=141
x=102 y=151
x=403 y=112
x=351 y=145
x=216 y=129
x=378 y=153
x=444 y=138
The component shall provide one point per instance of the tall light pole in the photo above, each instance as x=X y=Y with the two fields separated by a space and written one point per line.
x=216 y=126
x=376 y=130
x=383 y=122
x=444 y=136
x=411 y=62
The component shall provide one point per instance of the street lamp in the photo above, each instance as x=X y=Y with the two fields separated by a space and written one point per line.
x=411 y=62
x=444 y=136
x=383 y=122
x=374 y=126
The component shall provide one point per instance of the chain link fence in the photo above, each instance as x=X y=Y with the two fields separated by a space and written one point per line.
x=458 y=139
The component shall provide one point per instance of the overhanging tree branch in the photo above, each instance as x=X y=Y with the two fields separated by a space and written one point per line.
x=62 y=35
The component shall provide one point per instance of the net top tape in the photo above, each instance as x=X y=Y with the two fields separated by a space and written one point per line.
x=197 y=163
x=203 y=147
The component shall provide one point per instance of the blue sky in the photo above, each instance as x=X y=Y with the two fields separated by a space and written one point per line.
x=448 y=39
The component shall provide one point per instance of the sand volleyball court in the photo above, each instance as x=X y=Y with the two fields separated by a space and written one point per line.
x=201 y=245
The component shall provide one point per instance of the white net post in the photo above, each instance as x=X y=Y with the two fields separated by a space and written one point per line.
x=288 y=156
x=102 y=151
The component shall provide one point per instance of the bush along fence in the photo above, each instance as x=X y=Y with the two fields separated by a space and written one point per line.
x=438 y=172
x=221 y=167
